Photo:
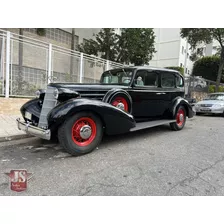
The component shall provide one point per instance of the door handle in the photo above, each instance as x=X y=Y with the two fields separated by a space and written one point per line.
x=160 y=93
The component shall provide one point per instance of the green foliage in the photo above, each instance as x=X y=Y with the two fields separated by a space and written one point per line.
x=107 y=43
x=24 y=88
x=179 y=69
x=196 y=36
x=134 y=45
x=41 y=31
x=212 y=89
x=89 y=47
x=207 y=67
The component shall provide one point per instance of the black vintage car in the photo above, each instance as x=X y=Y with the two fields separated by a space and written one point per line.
x=126 y=99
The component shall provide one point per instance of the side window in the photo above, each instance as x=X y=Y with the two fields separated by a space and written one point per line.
x=151 y=79
x=167 y=80
x=179 y=81
x=146 y=78
x=140 y=78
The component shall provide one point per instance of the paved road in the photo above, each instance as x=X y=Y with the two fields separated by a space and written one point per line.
x=156 y=161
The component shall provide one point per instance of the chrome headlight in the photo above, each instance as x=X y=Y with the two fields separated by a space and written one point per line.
x=37 y=93
x=197 y=105
x=56 y=92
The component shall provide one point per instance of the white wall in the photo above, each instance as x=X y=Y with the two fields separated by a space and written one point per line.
x=86 y=33
x=169 y=49
x=167 y=46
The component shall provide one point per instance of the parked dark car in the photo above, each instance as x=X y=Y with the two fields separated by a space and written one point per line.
x=126 y=99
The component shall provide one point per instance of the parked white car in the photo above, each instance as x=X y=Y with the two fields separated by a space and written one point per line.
x=213 y=104
x=198 y=82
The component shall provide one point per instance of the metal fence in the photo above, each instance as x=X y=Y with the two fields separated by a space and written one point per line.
x=197 y=87
x=27 y=64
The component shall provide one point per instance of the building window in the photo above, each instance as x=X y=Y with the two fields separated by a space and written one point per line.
x=55 y=34
x=181 y=65
x=187 y=55
x=182 y=49
x=186 y=70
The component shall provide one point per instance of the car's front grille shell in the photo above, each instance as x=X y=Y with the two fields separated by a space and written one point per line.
x=48 y=104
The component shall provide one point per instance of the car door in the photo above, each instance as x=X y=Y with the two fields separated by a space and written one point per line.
x=172 y=85
x=146 y=95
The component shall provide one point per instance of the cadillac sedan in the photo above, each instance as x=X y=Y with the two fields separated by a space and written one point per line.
x=213 y=104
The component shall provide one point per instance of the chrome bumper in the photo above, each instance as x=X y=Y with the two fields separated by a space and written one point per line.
x=32 y=130
x=210 y=110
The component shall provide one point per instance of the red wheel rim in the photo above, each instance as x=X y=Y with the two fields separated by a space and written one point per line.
x=118 y=100
x=180 y=117
x=76 y=129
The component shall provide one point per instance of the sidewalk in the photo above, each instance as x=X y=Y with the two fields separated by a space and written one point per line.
x=9 y=111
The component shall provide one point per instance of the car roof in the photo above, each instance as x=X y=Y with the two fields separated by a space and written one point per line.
x=146 y=67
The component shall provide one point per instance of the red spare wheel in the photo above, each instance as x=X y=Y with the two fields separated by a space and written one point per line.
x=121 y=103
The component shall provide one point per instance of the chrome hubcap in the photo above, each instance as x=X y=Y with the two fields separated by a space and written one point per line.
x=181 y=117
x=85 y=132
x=120 y=106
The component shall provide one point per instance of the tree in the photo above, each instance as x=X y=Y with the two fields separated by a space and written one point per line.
x=196 y=54
x=89 y=47
x=207 y=67
x=105 y=43
x=197 y=36
x=136 y=45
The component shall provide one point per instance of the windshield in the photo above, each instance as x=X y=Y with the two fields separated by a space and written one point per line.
x=215 y=97
x=117 y=77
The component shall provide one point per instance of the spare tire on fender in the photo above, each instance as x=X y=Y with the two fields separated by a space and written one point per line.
x=119 y=98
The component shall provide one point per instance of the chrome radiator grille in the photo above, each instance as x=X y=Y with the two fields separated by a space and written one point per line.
x=48 y=104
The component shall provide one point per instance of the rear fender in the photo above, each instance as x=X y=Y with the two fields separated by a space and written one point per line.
x=179 y=101
x=115 y=120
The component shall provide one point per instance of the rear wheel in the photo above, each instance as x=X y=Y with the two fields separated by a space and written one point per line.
x=180 y=119
x=81 y=133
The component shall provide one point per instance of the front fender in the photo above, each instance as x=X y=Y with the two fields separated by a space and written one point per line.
x=31 y=106
x=179 y=101
x=114 y=120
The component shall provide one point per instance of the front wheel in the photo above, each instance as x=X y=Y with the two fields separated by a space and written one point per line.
x=81 y=133
x=180 y=119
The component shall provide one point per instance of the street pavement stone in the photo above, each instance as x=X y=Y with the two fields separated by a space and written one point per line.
x=154 y=161
x=9 y=112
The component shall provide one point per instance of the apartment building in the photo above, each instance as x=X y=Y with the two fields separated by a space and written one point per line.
x=172 y=50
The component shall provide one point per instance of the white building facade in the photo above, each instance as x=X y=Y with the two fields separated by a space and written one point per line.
x=172 y=50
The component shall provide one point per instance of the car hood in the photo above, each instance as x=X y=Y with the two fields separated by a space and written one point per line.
x=87 y=86
x=211 y=102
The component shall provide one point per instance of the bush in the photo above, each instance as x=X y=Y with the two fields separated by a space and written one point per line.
x=207 y=67
x=212 y=88
x=179 y=69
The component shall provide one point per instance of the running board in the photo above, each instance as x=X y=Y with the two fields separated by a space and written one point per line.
x=150 y=124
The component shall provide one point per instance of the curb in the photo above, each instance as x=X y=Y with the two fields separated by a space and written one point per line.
x=14 y=137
